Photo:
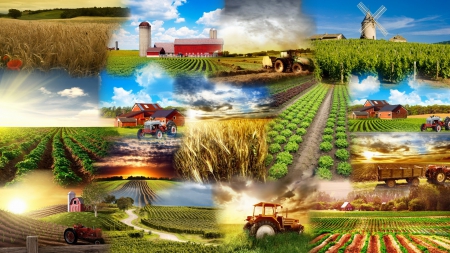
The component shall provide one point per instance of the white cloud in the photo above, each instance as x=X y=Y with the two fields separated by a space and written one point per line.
x=442 y=31
x=359 y=102
x=148 y=75
x=368 y=86
x=156 y=9
x=180 y=20
x=413 y=98
x=124 y=97
x=45 y=91
x=211 y=18
x=72 y=92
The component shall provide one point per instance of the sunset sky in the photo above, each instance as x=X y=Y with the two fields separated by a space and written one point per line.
x=22 y=5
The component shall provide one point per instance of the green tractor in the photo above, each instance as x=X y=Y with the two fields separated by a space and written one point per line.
x=268 y=220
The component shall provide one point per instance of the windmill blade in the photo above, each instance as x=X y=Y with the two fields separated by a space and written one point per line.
x=379 y=12
x=364 y=27
x=363 y=8
x=381 y=28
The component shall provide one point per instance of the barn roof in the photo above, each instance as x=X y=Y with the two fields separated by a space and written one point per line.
x=390 y=108
x=361 y=113
x=127 y=120
x=79 y=198
x=365 y=108
x=163 y=113
x=155 y=50
x=345 y=204
x=145 y=23
x=132 y=114
x=148 y=107
x=327 y=36
x=378 y=102
x=204 y=41
x=168 y=47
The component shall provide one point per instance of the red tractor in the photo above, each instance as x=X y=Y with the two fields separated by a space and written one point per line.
x=157 y=128
x=437 y=173
x=435 y=123
x=266 y=220
x=71 y=235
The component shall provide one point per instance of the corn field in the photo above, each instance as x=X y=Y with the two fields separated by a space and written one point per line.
x=79 y=48
x=217 y=151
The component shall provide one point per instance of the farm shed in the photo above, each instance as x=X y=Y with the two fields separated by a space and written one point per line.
x=166 y=115
x=155 y=51
x=326 y=36
x=346 y=207
x=397 y=38
x=138 y=116
x=146 y=107
x=370 y=110
x=75 y=204
x=393 y=112
x=360 y=115
x=169 y=48
x=198 y=46
x=126 y=122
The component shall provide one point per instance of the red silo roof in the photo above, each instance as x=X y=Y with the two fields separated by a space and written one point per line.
x=145 y=23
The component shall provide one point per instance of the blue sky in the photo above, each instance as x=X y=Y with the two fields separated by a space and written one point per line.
x=169 y=20
x=48 y=99
x=417 y=21
x=412 y=92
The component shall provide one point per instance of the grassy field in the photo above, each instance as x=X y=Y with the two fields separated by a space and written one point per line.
x=53 y=14
x=45 y=45
x=132 y=132
x=359 y=214
x=88 y=219
x=383 y=125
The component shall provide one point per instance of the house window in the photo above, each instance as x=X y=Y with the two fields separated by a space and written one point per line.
x=398 y=111
x=174 y=117
x=389 y=114
x=75 y=202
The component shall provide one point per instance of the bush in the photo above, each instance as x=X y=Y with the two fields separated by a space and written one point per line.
x=344 y=168
x=291 y=147
x=286 y=133
x=301 y=131
x=279 y=139
x=326 y=161
x=326 y=146
x=274 y=148
x=324 y=173
x=342 y=154
x=296 y=139
x=269 y=158
x=328 y=130
x=341 y=143
x=136 y=234
x=284 y=157
x=341 y=135
x=278 y=170
x=327 y=137
x=278 y=127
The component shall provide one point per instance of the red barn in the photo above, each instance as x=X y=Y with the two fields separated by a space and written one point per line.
x=126 y=122
x=77 y=205
x=380 y=109
x=146 y=107
x=393 y=112
x=346 y=207
x=377 y=103
x=137 y=116
x=155 y=51
x=166 y=115
x=198 y=46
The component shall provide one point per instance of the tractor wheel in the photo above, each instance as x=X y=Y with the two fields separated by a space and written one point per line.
x=423 y=127
x=70 y=236
x=390 y=183
x=447 y=123
x=171 y=128
x=297 y=68
x=140 y=135
x=440 y=177
x=263 y=228
x=247 y=226
x=438 y=128
x=99 y=241
x=300 y=231
x=279 y=66
x=159 y=134
x=415 y=181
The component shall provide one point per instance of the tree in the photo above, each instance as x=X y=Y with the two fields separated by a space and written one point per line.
x=109 y=199
x=14 y=13
x=93 y=195
x=124 y=203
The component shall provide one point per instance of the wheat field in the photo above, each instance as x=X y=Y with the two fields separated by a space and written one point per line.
x=80 y=48
x=218 y=151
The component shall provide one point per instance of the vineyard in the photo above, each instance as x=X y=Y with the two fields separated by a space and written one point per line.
x=124 y=63
x=379 y=125
x=388 y=60
x=68 y=152
x=138 y=190
x=180 y=219
x=46 y=211
x=103 y=221
x=282 y=93
x=382 y=233
x=285 y=132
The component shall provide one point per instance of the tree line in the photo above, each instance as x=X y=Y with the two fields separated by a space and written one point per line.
x=96 y=12
x=112 y=112
x=114 y=178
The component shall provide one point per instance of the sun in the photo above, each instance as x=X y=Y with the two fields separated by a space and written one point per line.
x=17 y=206
x=368 y=155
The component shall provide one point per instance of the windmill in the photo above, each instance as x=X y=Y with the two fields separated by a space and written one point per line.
x=369 y=24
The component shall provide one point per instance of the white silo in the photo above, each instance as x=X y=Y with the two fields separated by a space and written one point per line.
x=70 y=196
x=145 y=32
x=214 y=33
x=211 y=33
x=369 y=31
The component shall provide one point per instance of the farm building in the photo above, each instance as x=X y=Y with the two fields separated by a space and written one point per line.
x=155 y=51
x=211 y=46
x=397 y=38
x=166 y=115
x=139 y=117
x=75 y=204
x=326 y=36
x=346 y=207
x=126 y=122
x=139 y=107
x=380 y=109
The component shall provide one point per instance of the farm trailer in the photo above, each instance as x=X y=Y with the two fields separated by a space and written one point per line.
x=411 y=175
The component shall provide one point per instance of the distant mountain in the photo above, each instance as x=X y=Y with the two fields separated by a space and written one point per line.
x=444 y=42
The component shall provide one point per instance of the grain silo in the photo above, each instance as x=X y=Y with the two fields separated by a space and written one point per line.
x=213 y=33
x=145 y=31
x=70 y=196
